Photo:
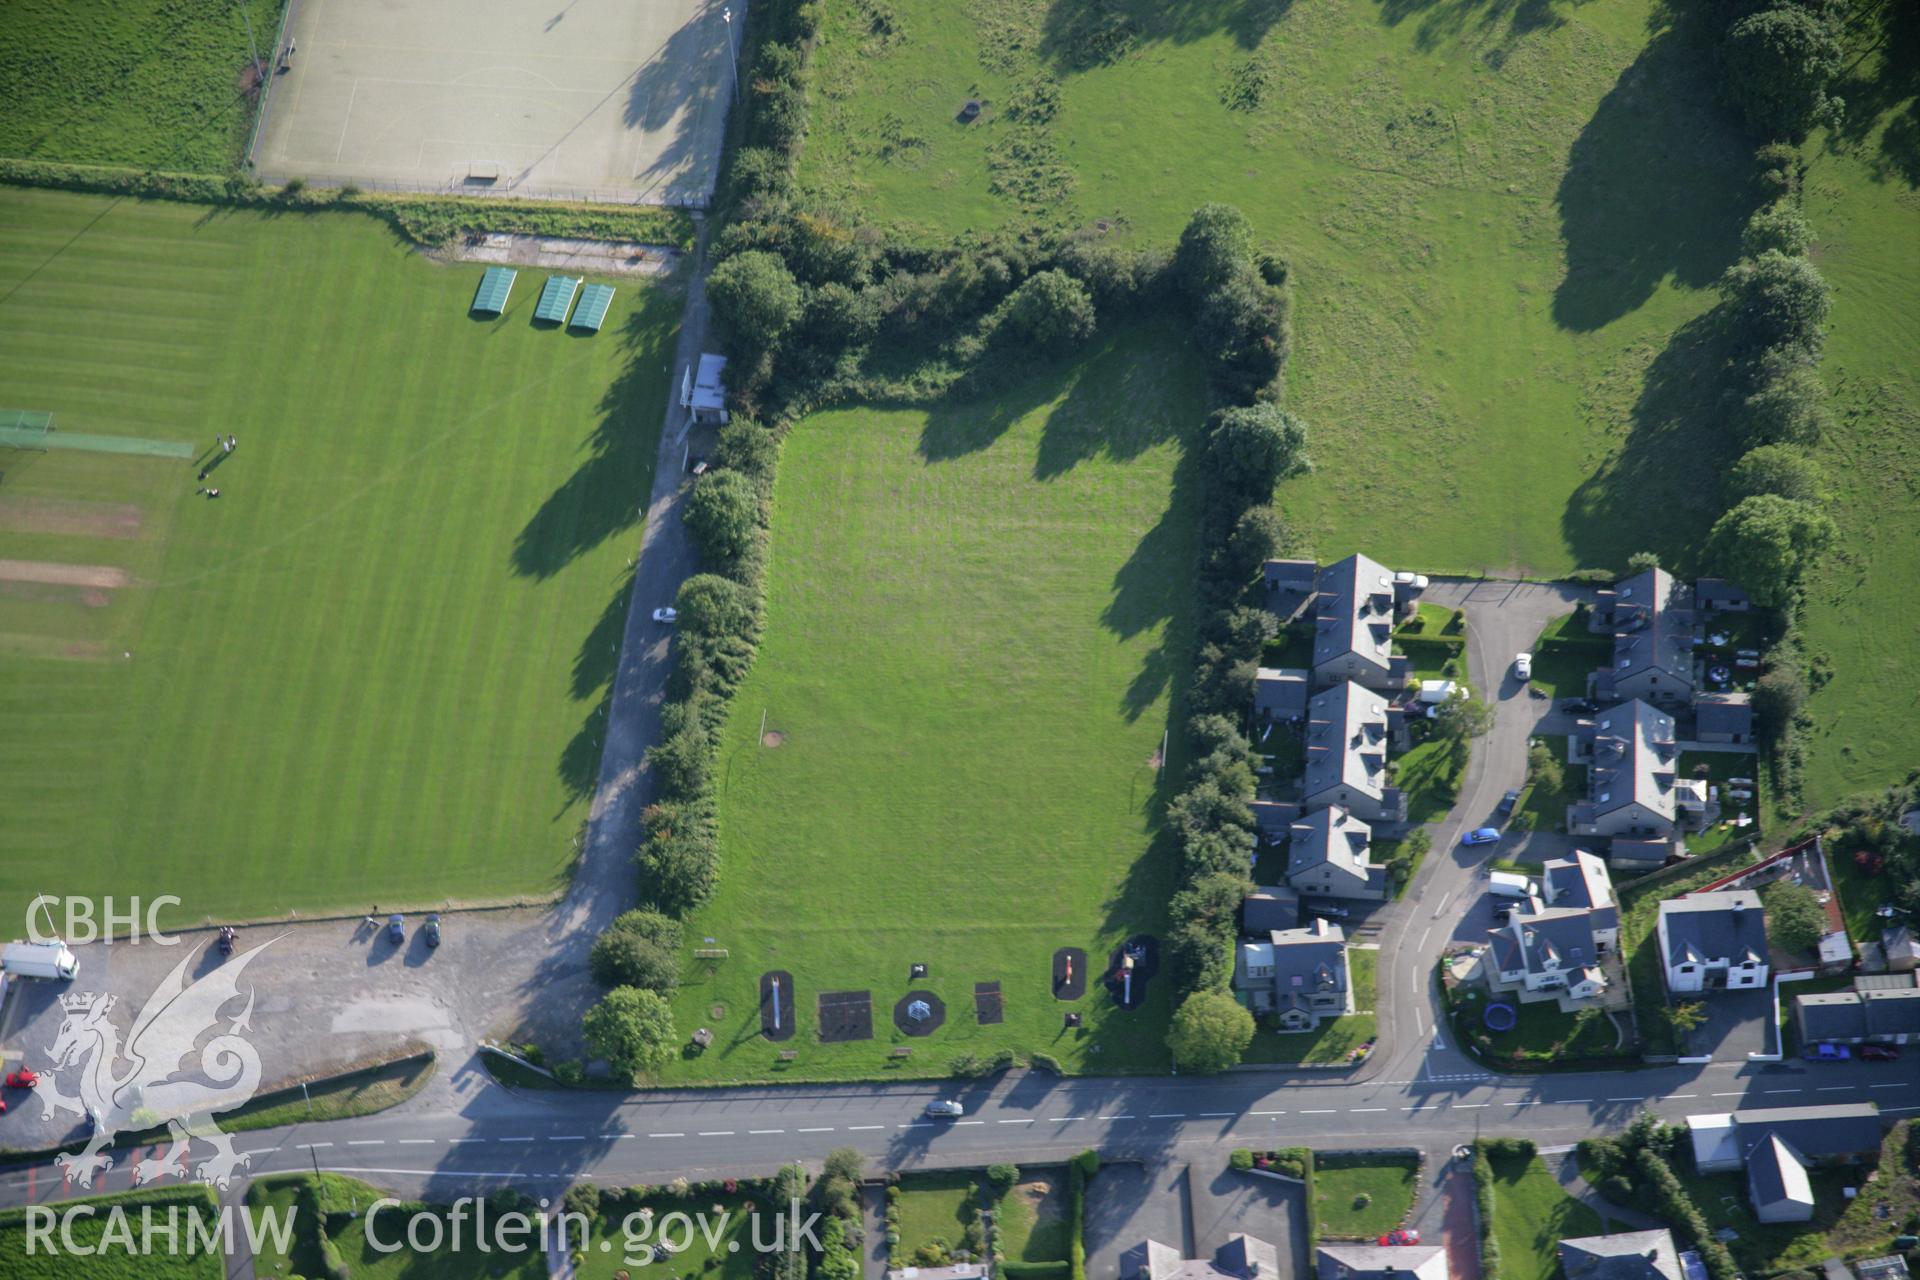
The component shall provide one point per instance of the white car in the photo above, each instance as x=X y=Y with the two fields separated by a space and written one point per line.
x=1523 y=666
x=946 y=1109
x=668 y=616
x=1418 y=581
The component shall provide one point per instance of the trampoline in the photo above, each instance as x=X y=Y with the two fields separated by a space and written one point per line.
x=1500 y=1017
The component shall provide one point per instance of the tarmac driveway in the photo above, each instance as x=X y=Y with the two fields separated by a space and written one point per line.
x=1737 y=1025
x=1129 y=1204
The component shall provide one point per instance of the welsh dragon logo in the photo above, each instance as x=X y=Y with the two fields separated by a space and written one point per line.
x=158 y=1086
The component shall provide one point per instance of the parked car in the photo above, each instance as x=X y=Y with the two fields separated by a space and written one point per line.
x=1880 y=1053
x=1331 y=913
x=1509 y=800
x=1502 y=914
x=1523 y=666
x=1482 y=835
x=668 y=616
x=1578 y=707
x=1827 y=1051
x=1418 y=581
x=396 y=929
x=24 y=1078
x=946 y=1109
x=1406 y=1236
x=433 y=930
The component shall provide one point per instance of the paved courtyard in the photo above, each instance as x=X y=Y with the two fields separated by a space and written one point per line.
x=618 y=100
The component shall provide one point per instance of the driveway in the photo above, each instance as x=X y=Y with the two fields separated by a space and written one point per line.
x=1129 y=1204
x=1225 y=1202
x=1738 y=1023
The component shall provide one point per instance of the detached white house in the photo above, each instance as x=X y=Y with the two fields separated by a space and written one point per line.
x=1711 y=941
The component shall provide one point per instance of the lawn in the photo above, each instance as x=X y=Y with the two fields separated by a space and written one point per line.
x=143 y=83
x=1716 y=767
x=1566 y=654
x=1531 y=1216
x=935 y=1208
x=1362 y=1195
x=1861 y=896
x=1430 y=775
x=1545 y=807
x=1639 y=918
x=114 y=1260
x=1765 y=1248
x=629 y=1235
x=1542 y=1029
x=1033 y=1222
x=375 y=668
x=976 y=619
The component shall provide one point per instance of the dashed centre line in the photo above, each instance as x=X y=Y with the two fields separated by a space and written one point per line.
x=666 y=1135
x=1168 y=1115
x=828 y=1129
x=366 y=1142
x=716 y=1133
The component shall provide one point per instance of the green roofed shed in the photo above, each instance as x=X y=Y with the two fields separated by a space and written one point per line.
x=592 y=312
x=556 y=299
x=495 y=285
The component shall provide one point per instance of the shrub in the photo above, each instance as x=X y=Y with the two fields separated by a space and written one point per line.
x=1215 y=245
x=679 y=864
x=1765 y=543
x=639 y=949
x=756 y=300
x=1210 y=1031
x=1780 y=64
x=1251 y=449
x=1788 y=406
x=723 y=515
x=1242 y=328
x=1240 y=1159
x=632 y=1029
x=1051 y=310
x=1258 y=536
x=1795 y=919
x=1001 y=1177
x=1779 y=227
x=1777 y=469
x=1773 y=300
x=1047 y=1062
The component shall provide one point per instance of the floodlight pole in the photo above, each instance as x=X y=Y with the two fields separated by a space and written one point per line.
x=726 y=16
x=251 y=45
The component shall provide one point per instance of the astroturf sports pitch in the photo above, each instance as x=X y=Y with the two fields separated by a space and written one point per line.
x=374 y=669
x=977 y=630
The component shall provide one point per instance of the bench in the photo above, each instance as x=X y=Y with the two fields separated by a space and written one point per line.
x=901 y=1052
x=788 y=1055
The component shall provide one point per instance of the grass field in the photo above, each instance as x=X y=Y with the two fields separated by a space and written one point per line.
x=1503 y=223
x=374 y=669
x=976 y=616
x=114 y=1261
x=144 y=83
x=1531 y=1215
x=279 y=1195
x=1362 y=1195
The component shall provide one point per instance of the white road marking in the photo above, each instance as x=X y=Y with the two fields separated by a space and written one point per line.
x=858 y=1128
x=1900 y=1108
x=958 y=1123
x=1422 y=944
x=314 y=1146
x=1217 y=1115
x=566 y=1137
x=1357 y=1110
x=1028 y=1120
x=1784 y=1091
x=416 y=1142
x=682 y=1135
x=620 y=1135
x=1304 y=1113
x=1888 y=1086
x=1281 y=1113
x=1113 y=1117
x=1516 y=1104
x=913 y=1126
x=516 y=1139
x=1061 y=1119
x=716 y=1133
x=1625 y=1099
x=1834 y=1088
x=454 y=1140
x=1731 y=1094
x=1418 y=1106
x=1675 y=1097
x=1570 y=1102
x=1168 y=1115
x=366 y=1142
x=766 y=1131
x=1469 y=1106
x=828 y=1129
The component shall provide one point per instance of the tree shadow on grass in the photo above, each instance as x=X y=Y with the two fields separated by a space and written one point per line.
x=1511 y=21
x=607 y=494
x=1883 y=82
x=1661 y=491
x=1657 y=187
x=1080 y=34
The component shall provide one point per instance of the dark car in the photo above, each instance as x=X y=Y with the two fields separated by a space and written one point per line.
x=1330 y=913
x=1827 y=1051
x=1880 y=1053
x=396 y=929
x=433 y=930
x=1509 y=800
x=1578 y=706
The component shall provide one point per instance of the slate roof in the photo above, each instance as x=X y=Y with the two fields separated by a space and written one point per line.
x=1632 y=759
x=1309 y=960
x=1581 y=880
x=1718 y=593
x=1243 y=1255
x=1242 y=1258
x=1347 y=741
x=1777 y=1174
x=1727 y=713
x=1380 y=1262
x=1274 y=819
x=1353 y=612
x=1290 y=584
x=1653 y=627
x=1281 y=692
x=1831 y=1015
x=1838 y=1129
x=1704 y=927
x=1892 y=1012
x=1330 y=836
x=1269 y=907
x=1629 y=1255
x=1554 y=941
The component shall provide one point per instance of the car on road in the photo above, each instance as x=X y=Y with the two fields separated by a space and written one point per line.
x=1523 y=666
x=1407 y=1236
x=1827 y=1051
x=945 y=1109
x=1880 y=1053
x=1578 y=707
x=1482 y=835
x=668 y=616
x=1509 y=800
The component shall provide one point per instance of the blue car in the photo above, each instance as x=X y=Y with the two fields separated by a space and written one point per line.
x=1828 y=1052
x=1484 y=835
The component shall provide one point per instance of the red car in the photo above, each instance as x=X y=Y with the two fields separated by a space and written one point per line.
x=1880 y=1053
x=1400 y=1237
x=24 y=1078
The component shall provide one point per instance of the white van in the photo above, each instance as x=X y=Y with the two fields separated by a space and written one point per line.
x=39 y=960
x=1506 y=884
